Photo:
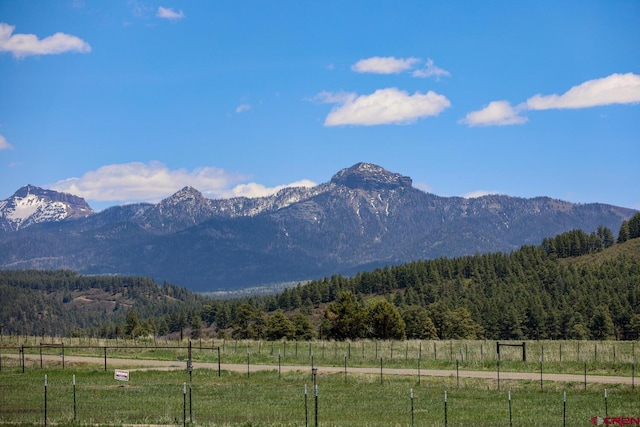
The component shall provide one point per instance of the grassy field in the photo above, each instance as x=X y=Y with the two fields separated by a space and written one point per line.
x=563 y=357
x=269 y=399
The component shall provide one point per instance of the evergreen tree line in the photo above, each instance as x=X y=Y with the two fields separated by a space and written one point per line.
x=33 y=302
x=528 y=294
x=536 y=292
x=576 y=242
x=629 y=229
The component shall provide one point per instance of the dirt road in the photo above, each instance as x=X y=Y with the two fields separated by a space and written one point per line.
x=138 y=364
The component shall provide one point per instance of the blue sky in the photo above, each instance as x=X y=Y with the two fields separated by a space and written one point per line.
x=126 y=101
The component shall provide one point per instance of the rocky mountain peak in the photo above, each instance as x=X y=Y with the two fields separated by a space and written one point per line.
x=187 y=194
x=368 y=176
x=26 y=190
x=184 y=208
x=32 y=205
x=51 y=195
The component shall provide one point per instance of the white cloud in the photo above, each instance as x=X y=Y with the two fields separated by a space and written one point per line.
x=253 y=189
x=423 y=186
x=431 y=70
x=154 y=181
x=614 y=89
x=23 y=45
x=384 y=65
x=384 y=106
x=243 y=107
x=4 y=144
x=497 y=113
x=392 y=65
x=169 y=13
x=478 y=193
x=334 y=97
x=151 y=181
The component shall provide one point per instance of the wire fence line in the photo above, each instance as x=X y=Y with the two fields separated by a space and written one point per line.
x=443 y=350
x=615 y=363
x=201 y=397
x=262 y=368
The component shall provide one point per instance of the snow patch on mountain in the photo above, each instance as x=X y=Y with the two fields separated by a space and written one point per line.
x=24 y=208
x=32 y=205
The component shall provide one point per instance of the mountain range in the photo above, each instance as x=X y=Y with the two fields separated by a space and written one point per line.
x=364 y=217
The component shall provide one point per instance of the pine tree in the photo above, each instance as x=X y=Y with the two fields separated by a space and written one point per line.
x=605 y=234
x=385 y=321
x=623 y=234
x=347 y=318
x=163 y=327
x=279 y=326
x=132 y=324
x=601 y=325
x=634 y=226
x=196 y=327
x=418 y=324
x=303 y=327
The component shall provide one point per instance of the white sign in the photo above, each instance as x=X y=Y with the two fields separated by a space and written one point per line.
x=121 y=375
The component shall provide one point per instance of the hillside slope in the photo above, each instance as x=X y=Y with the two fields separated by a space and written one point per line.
x=527 y=294
x=63 y=302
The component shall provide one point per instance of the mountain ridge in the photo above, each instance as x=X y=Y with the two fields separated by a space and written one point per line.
x=365 y=216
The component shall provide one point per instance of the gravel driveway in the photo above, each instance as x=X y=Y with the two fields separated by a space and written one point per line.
x=140 y=364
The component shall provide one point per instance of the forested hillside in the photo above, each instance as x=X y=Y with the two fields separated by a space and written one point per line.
x=63 y=302
x=574 y=286
x=528 y=294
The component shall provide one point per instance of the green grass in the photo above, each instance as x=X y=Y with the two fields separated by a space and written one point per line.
x=262 y=399
x=564 y=357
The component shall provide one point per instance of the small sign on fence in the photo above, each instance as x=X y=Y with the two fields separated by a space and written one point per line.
x=121 y=375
